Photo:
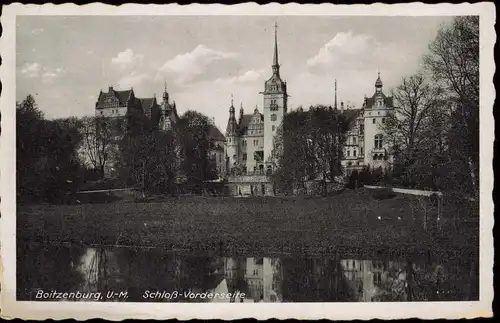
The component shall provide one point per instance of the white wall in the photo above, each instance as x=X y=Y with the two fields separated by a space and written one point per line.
x=268 y=123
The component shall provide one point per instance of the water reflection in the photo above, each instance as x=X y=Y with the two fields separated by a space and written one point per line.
x=153 y=275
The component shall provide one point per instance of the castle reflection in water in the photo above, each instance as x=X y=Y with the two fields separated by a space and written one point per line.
x=261 y=279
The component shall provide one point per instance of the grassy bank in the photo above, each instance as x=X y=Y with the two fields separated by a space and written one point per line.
x=347 y=222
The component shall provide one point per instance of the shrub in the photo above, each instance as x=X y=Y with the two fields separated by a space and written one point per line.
x=383 y=193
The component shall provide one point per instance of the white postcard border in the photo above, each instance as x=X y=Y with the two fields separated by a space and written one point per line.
x=117 y=311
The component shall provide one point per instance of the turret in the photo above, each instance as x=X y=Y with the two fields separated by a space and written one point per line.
x=378 y=84
x=231 y=138
x=231 y=123
x=165 y=94
x=241 y=113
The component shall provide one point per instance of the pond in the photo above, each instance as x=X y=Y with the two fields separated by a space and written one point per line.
x=77 y=273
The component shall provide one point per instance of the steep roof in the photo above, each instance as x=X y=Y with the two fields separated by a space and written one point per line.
x=214 y=133
x=388 y=101
x=146 y=105
x=123 y=96
x=351 y=115
x=245 y=121
x=146 y=102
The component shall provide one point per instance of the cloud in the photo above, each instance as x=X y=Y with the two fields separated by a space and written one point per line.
x=133 y=79
x=247 y=77
x=201 y=63
x=31 y=69
x=353 y=51
x=127 y=59
x=46 y=74
x=37 y=31
x=49 y=75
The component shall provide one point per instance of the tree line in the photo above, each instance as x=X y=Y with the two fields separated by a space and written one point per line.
x=56 y=158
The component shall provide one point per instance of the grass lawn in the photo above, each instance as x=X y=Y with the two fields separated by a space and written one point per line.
x=347 y=222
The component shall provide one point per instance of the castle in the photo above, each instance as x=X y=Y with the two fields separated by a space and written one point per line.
x=160 y=116
x=247 y=147
x=249 y=138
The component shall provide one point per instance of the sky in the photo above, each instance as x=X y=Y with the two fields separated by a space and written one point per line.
x=64 y=61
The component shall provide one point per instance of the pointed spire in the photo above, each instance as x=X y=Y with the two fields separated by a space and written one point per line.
x=276 y=66
x=275 y=58
x=231 y=122
x=165 y=93
x=241 y=113
x=378 y=82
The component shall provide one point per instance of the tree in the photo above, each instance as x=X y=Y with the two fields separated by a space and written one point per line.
x=289 y=152
x=309 y=147
x=47 y=161
x=407 y=129
x=454 y=64
x=150 y=159
x=101 y=136
x=193 y=129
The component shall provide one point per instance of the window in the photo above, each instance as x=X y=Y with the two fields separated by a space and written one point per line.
x=354 y=153
x=354 y=140
x=375 y=157
x=256 y=142
x=274 y=127
x=383 y=120
x=373 y=120
x=101 y=112
x=273 y=117
x=348 y=153
x=378 y=141
x=234 y=156
x=244 y=156
x=349 y=164
x=361 y=150
x=377 y=278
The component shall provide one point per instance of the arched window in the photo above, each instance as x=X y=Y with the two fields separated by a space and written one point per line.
x=378 y=141
x=273 y=117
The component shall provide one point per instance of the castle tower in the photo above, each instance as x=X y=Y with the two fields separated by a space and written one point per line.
x=166 y=109
x=231 y=138
x=376 y=110
x=275 y=102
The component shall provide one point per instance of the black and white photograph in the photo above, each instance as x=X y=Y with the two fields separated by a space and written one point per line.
x=183 y=158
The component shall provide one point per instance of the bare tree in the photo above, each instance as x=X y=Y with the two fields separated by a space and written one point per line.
x=100 y=141
x=454 y=63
